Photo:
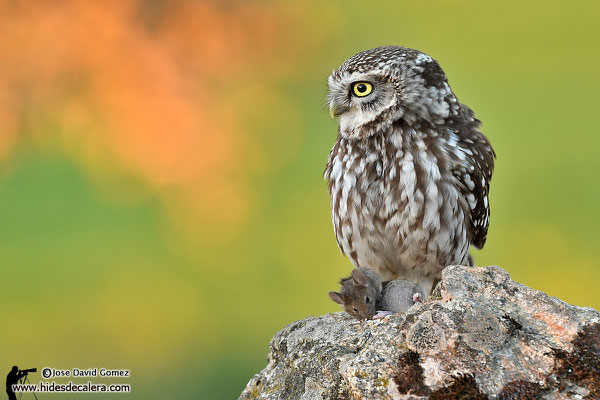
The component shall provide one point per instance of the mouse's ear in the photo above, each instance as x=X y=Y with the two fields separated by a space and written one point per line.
x=359 y=277
x=337 y=297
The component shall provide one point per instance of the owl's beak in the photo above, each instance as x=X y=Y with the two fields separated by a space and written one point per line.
x=336 y=110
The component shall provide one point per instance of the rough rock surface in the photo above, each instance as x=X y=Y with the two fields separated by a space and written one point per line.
x=480 y=335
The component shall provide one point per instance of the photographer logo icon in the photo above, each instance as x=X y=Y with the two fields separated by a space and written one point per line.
x=14 y=376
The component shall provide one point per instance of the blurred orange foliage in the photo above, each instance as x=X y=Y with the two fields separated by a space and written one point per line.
x=141 y=88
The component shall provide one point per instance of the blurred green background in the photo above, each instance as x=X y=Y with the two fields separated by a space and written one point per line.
x=162 y=206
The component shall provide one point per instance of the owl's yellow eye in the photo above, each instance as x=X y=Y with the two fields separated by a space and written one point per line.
x=362 y=89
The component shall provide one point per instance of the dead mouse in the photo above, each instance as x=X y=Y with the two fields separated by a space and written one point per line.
x=362 y=295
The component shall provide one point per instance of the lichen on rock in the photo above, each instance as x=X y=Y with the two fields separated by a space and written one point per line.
x=481 y=335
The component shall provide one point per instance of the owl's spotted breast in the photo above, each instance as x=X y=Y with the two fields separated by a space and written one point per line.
x=396 y=207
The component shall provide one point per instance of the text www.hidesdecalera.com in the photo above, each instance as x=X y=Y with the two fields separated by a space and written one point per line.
x=89 y=387
x=76 y=387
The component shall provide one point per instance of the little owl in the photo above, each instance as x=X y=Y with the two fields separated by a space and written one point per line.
x=409 y=174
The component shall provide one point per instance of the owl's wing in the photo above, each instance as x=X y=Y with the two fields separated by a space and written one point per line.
x=472 y=159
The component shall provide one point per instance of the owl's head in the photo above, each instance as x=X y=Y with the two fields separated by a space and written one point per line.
x=378 y=87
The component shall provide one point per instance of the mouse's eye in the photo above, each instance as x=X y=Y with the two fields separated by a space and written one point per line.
x=367 y=299
x=355 y=310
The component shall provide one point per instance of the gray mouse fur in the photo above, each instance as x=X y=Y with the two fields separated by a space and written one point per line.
x=362 y=294
x=398 y=295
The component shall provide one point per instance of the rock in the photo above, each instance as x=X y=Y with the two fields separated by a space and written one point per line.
x=479 y=336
